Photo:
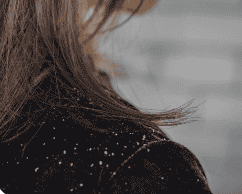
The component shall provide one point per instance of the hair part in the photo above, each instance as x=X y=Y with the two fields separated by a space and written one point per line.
x=40 y=39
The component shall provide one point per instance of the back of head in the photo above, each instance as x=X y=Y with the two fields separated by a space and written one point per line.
x=45 y=53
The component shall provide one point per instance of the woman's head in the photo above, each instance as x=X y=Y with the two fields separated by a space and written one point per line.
x=47 y=38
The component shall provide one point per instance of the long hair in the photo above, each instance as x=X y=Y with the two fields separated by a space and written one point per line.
x=43 y=38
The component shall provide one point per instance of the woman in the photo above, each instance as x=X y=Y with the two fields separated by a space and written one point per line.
x=63 y=126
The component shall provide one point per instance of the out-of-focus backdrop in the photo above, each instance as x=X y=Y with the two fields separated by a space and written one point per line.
x=185 y=49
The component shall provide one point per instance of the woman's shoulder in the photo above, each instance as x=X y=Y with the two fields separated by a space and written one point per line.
x=162 y=165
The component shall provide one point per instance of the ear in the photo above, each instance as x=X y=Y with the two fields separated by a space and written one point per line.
x=85 y=8
x=147 y=6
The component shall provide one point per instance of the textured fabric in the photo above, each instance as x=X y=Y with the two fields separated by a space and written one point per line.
x=64 y=159
x=160 y=167
x=66 y=156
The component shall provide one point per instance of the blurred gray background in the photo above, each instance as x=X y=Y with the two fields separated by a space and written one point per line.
x=187 y=49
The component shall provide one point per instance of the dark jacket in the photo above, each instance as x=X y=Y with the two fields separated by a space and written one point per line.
x=64 y=158
x=67 y=155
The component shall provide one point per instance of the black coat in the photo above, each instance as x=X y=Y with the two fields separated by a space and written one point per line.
x=69 y=155
x=66 y=158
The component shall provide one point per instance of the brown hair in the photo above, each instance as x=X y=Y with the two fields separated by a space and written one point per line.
x=40 y=38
